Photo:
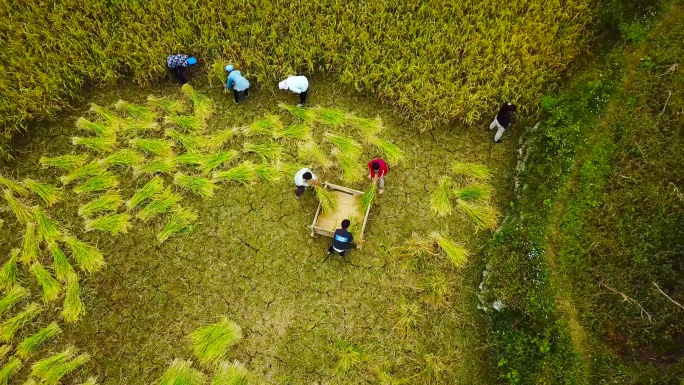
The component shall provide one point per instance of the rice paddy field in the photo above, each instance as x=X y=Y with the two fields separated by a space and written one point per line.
x=189 y=199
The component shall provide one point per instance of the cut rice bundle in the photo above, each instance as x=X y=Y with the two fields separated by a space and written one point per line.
x=267 y=126
x=154 y=186
x=153 y=146
x=8 y=273
x=294 y=131
x=170 y=106
x=346 y=145
x=212 y=162
x=47 y=230
x=88 y=170
x=198 y=185
x=369 y=128
x=51 y=287
x=309 y=151
x=456 y=253
x=73 y=309
x=267 y=172
x=266 y=151
x=369 y=195
x=158 y=165
x=103 y=144
x=125 y=157
x=181 y=222
x=187 y=123
x=472 y=170
x=243 y=173
x=303 y=113
x=14 y=186
x=330 y=116
x=440 y=201
x=113 y=224
x=48 y=194
x=135 y=110
x=483 y=216
x=160 y=204
x=65 y=162
x=110 y=117
x=98 y=183
x=21 y=210
x=326 y=197
x=87 y=257
x=474 y=192
x=135 y=127
x=392 y=153
x=100 y=129
x=191 y=142
x=201 y=104
x=31 y=245
x=191 y=159
x=352 y=171
x=63 y=268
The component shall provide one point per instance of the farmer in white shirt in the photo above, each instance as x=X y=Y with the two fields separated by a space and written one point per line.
x=298 y=85
x=303 y=179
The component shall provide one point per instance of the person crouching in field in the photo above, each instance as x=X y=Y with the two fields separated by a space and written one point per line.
x=342 y=240
x=303 y=179
x=178 y=64
x=238 y=83
x=378 y=169
x=298 y=85
x=502 y=120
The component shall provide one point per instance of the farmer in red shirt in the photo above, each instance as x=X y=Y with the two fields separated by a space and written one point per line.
x=378 y=169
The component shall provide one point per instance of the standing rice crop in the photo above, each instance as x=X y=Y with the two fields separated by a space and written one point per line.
x=187 y=123
x=65 y=162
x=266 y=151
x=85 y=171
x=212 y=162
x=266 y=126
x=15 y=294
x=20 y=209
x=180 y=372
x=170 y=106
x=31 y=344
x=87 y=257
x=110 y=201
x=102 y=182
x=73 y=308
x=369 y=195
x=455 y=252
x=112 y=224
x=474 y=192
x=440 y=201
x=243 y=173
x=48 y=194
x=14 y=186
x=135 y=111
x=158 y=165
x=330 y=116
x=154 y=186
x=392 y=153
x=153 y=146
x=98 y=144
x=160 y=204
x=180 y=222
x=471 y=170
x=8 y=273
x=47 y=230
x=10 y=326
x=309 y=151
x=303 y=113
x=230 y=373
x=124 y=157
x=210 y=343
x=63 y=269
x=346 y=145
x=29 y=253
x=10 y=368
x=294 y=131
x=100 y=129
x=352 y=171
x=201 y=104
x=198 y=185
x=483 y=216
x=326 y=197
x=51 y=287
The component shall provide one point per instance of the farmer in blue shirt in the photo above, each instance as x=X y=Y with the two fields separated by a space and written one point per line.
x=238 y=82
x=342 y=240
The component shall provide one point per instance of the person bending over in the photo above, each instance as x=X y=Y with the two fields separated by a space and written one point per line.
x=342 y=240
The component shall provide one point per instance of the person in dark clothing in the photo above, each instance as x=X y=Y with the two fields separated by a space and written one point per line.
x=178 y=64
x=502 y=120
x=342 y=240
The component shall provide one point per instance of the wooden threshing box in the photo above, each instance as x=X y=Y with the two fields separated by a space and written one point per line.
x=348 y=207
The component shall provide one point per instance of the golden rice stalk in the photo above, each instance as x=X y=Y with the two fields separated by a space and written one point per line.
x=15 y=294
x=42 y=367
x=181 y=373
x=109 y=116
x=198 y=185
x=219 y=139
x=266 y=151
x=10 y=326
x=110 y=201
x=417 y=246
x=158 y=165
x=472 y=170
x=100 y=129
x=439 y=199
x=210 y=343
x=30 y=249
x=212 y=162
x=153 y=146
x=346 y=145
x=352 y=170
x=230 y=373
x=160 y=204
x=170 y=106
x=187 y=123
x=103 y=144
x=392 y=153
x=201 y=104
x=4 y=350
x=20 y=210
x=47 y=228
x=63 y=269
x=54 y=373
x=112 y=224
x=483 y=216
x=191 y=142
x=267 y=173
x=327 y=198
x=154 y=186
x=330 y=116
x=87 y=257
x=65 y=162
x=181 y=222
x=85 y=171
x=48 y=194
x=14 y=186
x=369 y=195
x=191 y=159
x=30 y=345
x=474 y=192
x=436 y=290
x=50 y=286
x=124 y=157
x=134 y=127
x=135 y=111
x=267 y=126
x=309 y=151
x=8 y=273
x=294 y=131
x=455 y=252
x=73 y=308
x=243 y=173
x=302 y=113
x=369 y=128
x=105 y=181
x=10 y=368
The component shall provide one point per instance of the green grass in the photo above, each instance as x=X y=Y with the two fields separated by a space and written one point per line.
x=110 y=201
x=266 y=126
x=21 y=211
x=266 y=151
x=65 y=162
x=135 y=111
x=169 y=106
x=180 y=222
x=103 y=182
x=63 y=269
x=124 y=157
x=393 y=154
x=113 y=224
x=309 y=151
x=154 y=186
x=349 y=357
x=51 y=287
x=160 y=204
x=202 y=106
x=31 y=245
x=73 y=308
x=160 y=147
x=87 y=257
x=457 y=254
x=180 y=372
x=30 y=345
x=104 y=144
x=47 y=229
x=14 y=186
x=482 y=216
x=85 y=171
x=100 y=129
x=8 y=273
x=11 y=367
x=158 y=165
x=187 y=123
x=47 y=193
x=10 y=326
x=327 y=198
x=472 y=170
x=243 y=173
x=198 y=185
x=440 y=198
x=211 y=343
x=212 y=162
x=231 y=373
x=12 y=296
